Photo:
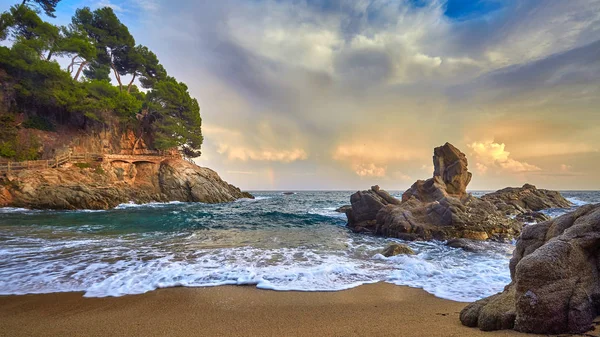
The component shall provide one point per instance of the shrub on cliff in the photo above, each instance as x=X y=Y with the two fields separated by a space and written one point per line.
x=96 y=46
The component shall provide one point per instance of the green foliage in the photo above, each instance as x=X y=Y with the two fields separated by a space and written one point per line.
x=48 y=6
x=177 y=114
x=15 y=145
x=99 y=170
x=82 y=165
x=95 y=44
x=39 y=123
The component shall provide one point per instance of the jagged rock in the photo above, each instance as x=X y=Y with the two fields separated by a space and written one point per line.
x=115 y=183
x=184 y=181
x=532 y=217
x=450 y=176
x=519 y=200
x=343 y=209
x=466 y=245
x=438 y=208
x=555 y=284
x=397 y=249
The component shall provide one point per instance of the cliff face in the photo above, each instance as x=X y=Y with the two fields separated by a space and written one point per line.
x=106 y=185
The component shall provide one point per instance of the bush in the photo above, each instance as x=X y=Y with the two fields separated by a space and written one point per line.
x=82 y=165
x=38 y=123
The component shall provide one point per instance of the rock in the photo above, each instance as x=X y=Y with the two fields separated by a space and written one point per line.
x=450 y=176
x=344 y=209
x=532 y=217
x=437 y=208
x=115 y=183
x=555 y=284
x=366 y=205
x=397 y=249
x=520 y=200
x=183 y=181
x=466 y=245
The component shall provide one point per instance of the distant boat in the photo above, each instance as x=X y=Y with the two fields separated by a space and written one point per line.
x=288 y=193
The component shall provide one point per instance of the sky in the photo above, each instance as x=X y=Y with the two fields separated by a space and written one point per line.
x=322 y=95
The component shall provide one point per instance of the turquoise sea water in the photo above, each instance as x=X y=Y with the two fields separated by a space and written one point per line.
x=278 y=242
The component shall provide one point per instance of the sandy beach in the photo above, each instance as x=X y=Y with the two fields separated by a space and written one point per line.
x=370 y=310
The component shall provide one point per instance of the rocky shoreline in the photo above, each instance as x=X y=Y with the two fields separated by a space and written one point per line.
x=106 y=185
x=555 y=284
x=440 y=207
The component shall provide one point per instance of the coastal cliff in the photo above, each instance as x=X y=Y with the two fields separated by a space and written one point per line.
x=108 y=184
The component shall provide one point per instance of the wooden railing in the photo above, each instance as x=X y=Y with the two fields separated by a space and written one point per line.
x=61 y=159
x=14 y=166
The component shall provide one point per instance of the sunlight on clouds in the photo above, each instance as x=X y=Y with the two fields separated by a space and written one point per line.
x=488 y=154
x=367 y=88
x=245 y=154
x=369 y=170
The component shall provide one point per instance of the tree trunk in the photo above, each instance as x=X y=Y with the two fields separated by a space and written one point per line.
x=49 y=55
x=131 y=83
x=83 y=64
x=117 y=76
x=70 y=67
x=137 y=142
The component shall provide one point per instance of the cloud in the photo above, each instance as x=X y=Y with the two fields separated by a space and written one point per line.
x=488 y=153
x=245 y=154
x=565 y=167
x=368 y=88
x=369 y=170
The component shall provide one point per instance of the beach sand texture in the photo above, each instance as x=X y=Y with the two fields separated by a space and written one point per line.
x=370 y=310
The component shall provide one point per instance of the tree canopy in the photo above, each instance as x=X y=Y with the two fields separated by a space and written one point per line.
x=98 y=49
x=47 y=6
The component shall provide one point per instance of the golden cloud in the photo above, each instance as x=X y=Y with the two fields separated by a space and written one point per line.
x=490 y=154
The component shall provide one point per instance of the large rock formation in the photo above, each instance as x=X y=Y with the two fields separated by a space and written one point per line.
x=521 y=200
x=437 y=208
x=106 y=186
x=555 y=284
x=450 y=176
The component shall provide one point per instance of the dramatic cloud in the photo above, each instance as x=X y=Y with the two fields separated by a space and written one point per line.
x=489 y=154
x=343 y=94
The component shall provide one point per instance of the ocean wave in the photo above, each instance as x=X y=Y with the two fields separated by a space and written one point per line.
x=278 y=243
x=577 y=202
x=131 y=204
x=113 y=268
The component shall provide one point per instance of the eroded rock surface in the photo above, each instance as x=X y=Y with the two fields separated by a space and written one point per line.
x=106 y=186
x=555 y=284
x=436 y=208
x=397 y=249
x=526 y=199
x=440 y=207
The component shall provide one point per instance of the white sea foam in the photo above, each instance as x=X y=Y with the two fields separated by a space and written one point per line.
x=131 y=204
x=16 y=210
x=327 y=211
x=113 y=268
x=577 y=202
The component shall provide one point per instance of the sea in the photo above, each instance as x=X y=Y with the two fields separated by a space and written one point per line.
x=276 y=242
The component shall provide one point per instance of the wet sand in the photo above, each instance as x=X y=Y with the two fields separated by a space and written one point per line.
x=370 y=310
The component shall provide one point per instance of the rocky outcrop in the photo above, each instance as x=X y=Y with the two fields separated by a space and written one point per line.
x=184 y=181
x=555 y=284
x=466 y=245
x=526 y=199
x=437 y=208
x=450 y=176
x=440 y=207
x=108 y=185
x=397 y=249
